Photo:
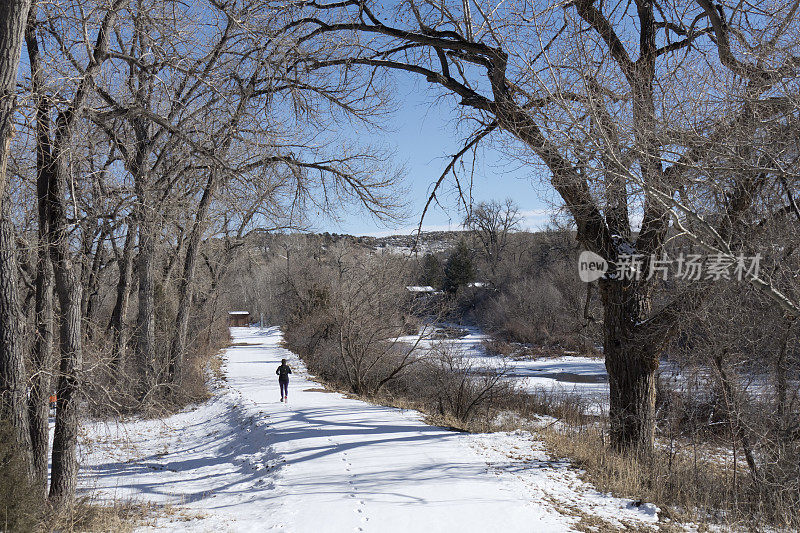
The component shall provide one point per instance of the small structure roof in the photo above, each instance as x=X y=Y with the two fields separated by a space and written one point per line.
x=420 y=288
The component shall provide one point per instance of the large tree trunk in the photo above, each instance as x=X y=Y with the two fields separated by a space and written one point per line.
x=42 y=361
x=13 y=406
x=64 y=473
x=178 y=348
x=13 y=19
x=145 y=319
x=631 y=362
x=42 y=356
x=117 y=323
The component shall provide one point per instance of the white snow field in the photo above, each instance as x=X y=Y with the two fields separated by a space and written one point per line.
x=244 y=461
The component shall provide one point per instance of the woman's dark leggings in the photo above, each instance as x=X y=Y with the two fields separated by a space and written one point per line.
x=284 y=388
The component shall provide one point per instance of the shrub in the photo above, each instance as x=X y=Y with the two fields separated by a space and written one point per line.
x=457 y=386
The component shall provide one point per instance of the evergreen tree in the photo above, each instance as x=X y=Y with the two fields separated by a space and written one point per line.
x=432 y=273
x=459 y=270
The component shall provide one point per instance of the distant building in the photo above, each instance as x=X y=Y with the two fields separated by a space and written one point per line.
x=238 y=319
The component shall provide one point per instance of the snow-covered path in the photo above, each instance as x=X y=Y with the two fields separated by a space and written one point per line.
x=246 y=462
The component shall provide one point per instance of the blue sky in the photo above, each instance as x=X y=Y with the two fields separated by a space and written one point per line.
x=422 y=132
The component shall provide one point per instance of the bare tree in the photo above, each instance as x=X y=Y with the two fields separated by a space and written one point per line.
x=351 y=316
x=367 y=305
x=463 y=386
x=624 y=117
x=54 y=149
x=13 y=17
x=492 y=223
x=13 y=408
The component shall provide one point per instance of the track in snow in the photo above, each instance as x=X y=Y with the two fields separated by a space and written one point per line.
x=244 y=461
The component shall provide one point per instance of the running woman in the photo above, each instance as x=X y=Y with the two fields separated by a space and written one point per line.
x=283 y=379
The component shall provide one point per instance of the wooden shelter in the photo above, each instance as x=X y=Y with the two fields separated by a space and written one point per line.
x=238 y=319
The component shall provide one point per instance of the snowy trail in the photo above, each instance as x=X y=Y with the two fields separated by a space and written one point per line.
x=244 y=461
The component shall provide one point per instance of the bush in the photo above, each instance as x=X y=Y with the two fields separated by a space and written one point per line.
x=347 y=316
x=458 y=387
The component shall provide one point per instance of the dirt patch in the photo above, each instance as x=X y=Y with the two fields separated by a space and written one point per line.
x=317 y=389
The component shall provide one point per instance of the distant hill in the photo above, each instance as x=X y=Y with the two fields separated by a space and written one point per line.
x=427 y=242
x=435 y=242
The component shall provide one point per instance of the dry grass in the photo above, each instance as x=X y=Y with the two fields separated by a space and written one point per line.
x=567 y=408
x=688 y=481
x=119 y=517
x=205 y=362
x=213 y=364
x=590 y=523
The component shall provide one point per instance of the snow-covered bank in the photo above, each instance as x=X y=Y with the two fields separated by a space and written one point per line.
x=246 y=462
x=583 y=378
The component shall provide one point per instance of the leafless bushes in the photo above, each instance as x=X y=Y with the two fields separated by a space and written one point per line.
x=748 y=360
x=537 y=298
x=458 y=386
x=349 y=312
x=358 y=328
x=526 y=311
x=90 y=516
x=111 y=381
